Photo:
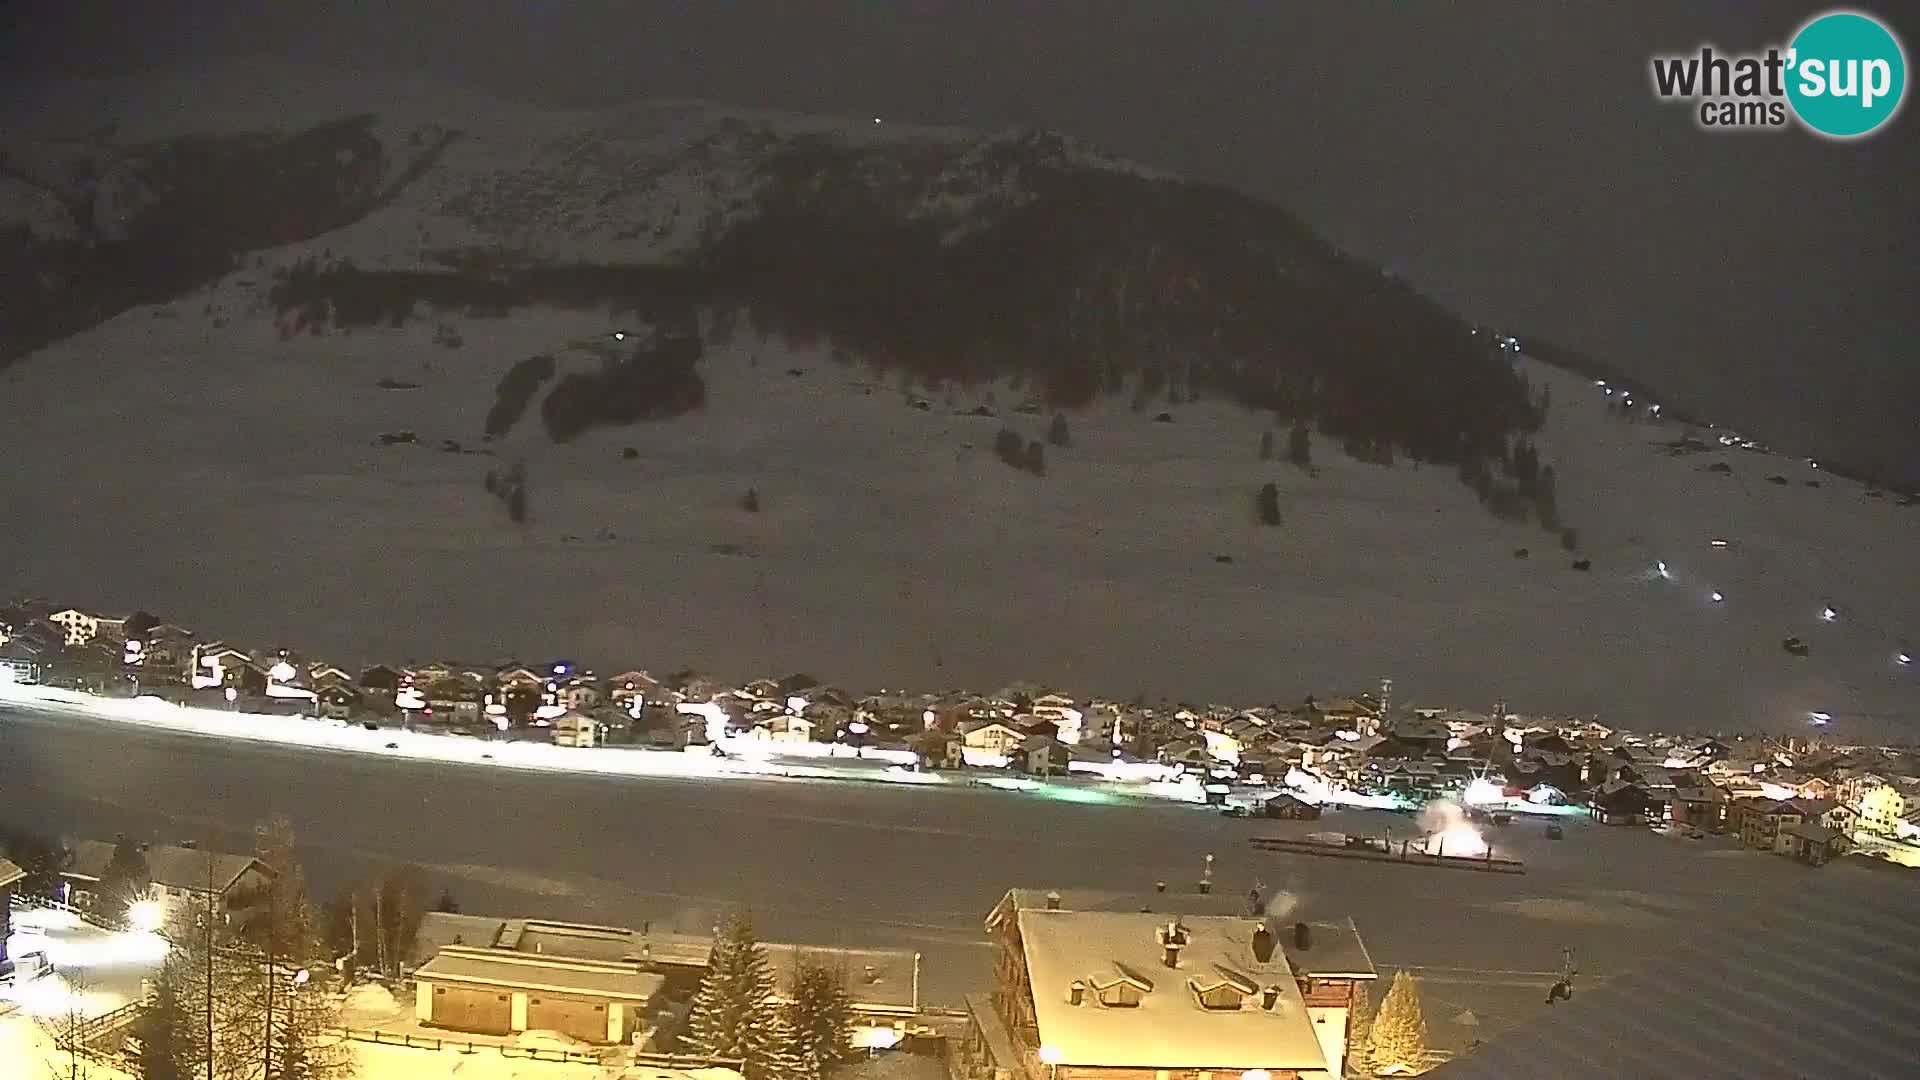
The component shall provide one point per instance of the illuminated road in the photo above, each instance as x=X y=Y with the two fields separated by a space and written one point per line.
x=878 y=864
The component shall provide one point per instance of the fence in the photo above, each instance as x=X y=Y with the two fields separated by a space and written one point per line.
x=464 y=1046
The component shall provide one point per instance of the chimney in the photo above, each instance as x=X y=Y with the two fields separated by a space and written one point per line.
x=1173 y=938
x=1269 y=997
x=1076 y=992
x=1302 y=936
x=1053 y=901
x=1262 y=943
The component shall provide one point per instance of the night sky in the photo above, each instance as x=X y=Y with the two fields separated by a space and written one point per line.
x=1507 y=157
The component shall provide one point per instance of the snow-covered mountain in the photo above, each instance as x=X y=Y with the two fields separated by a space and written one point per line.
x=233 y=303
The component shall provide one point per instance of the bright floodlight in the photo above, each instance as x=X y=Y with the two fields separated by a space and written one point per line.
x=619 y=335
x=1820 y=717
x=146 y=916
x=232 y=694
x=1904 y=658
x=281 y=672
x=1661 y=569
x=1050 y=1055
x=1718 y=596
x=1717 y=542
x=1827 y=614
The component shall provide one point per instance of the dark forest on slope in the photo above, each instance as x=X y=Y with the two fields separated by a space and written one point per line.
x=1078 y=281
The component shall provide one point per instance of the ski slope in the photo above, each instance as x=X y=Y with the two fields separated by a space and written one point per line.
x=184 y=459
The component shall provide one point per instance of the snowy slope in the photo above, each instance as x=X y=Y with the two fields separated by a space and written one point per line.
x=187 y=459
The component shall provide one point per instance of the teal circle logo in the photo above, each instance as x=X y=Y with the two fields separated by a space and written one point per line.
x=1846 y=75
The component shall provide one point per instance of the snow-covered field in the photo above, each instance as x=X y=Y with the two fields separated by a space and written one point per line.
x=234 y=483
x=184 y=460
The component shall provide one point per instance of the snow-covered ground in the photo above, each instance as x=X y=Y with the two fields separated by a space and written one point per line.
x=234 y=483
x=874 y=865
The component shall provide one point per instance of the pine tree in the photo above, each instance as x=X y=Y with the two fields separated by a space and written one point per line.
x=165 y=1028
x=1057 y=431
x=1360 y=1035
x=125 y=880
x=820 y=1019
x=731 y=1009
x=778 y=1055
x=1300 y=445
x=1400 y=1028
x=1266 y=504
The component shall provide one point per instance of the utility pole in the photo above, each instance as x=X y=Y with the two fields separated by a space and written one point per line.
x=266 y=1046
x=209 y=961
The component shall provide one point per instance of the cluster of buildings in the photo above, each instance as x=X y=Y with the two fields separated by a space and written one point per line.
x=1795 y=797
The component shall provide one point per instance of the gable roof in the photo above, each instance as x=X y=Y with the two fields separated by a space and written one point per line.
x=9 y=873
x=174 y=867
x=1169 y=1028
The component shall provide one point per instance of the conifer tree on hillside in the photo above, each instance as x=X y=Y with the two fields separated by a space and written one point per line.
x=125 y=880
x=731 y=1015
x=1400 y=1027
x=1300 y=445
x=820 y=1019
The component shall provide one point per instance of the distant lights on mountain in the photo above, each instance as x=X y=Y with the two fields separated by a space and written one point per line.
x=1717 y=596
x=1821 y=718
x=1717 y=542
x=1827 y=614
x=1660 y=568
x=1903 y=659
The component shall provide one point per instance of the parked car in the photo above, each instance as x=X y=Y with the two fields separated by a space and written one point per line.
x=24 y=968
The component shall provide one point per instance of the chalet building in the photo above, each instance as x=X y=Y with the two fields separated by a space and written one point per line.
x=602 y=984
x=498 y=992
x=1884 y=805
x=1767 y=823
x=338 y=702
x=1703 y=808
x=993 y=737
x=178 y=874
x=1289 y=807
x=1140 y=995
x=1815 y=845
x=1621 y=804
x=1043 y=755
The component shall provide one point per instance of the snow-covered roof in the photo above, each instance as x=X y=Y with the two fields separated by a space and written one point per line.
x=560 y=975
x=9 y=873
x=1169 y=1028
x=174 y=867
